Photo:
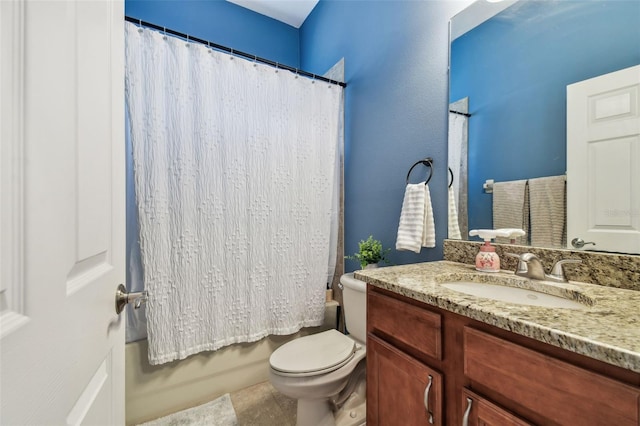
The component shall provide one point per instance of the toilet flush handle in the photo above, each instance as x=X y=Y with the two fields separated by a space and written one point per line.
x=426 y=399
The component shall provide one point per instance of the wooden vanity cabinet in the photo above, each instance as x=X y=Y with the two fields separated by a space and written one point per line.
x=509 y=379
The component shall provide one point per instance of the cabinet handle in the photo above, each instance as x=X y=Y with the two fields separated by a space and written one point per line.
x=465 y=418
x=426 y=399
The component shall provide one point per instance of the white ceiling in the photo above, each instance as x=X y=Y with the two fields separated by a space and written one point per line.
x=292 y=12
x=476 y=14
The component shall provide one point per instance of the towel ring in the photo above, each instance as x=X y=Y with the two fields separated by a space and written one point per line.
x=428 y=162
x=451 y=175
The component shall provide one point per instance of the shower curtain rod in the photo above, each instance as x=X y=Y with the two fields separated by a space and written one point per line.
x=232 y=51
x=460 y=113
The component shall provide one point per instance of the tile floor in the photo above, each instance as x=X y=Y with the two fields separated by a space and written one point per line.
x=262 y=405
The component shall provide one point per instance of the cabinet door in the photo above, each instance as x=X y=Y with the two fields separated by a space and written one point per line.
x=481 y=412
x=400 y=389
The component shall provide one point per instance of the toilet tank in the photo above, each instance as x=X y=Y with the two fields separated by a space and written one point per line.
x=354 y=300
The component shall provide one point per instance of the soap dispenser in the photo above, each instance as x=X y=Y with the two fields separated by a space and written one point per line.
x=487 y=259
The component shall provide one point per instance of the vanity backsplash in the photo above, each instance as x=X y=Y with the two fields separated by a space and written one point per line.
x=608 y=269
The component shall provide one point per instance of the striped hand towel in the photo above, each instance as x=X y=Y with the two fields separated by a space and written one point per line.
x=429 y=228
x=548 y=211
x=511 y=208
x=453 y=226
x=416 y=228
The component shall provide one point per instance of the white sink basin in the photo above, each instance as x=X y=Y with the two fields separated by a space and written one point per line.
x=515 y=295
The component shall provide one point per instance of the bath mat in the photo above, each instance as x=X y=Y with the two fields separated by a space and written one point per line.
x=218 y=412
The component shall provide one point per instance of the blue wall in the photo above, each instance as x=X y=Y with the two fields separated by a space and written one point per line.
x=396 y=107
x=517 y=87
x=223 y=23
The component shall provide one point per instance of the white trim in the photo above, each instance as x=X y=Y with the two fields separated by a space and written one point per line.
x=12 y=165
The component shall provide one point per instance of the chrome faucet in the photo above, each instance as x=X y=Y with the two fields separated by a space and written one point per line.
x=530 y=266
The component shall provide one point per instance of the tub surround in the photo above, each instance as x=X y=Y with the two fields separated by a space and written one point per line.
x=606 y=329
x=607 y=269
x=154 y=391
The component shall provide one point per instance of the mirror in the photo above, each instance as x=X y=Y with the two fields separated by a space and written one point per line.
x=510 y=63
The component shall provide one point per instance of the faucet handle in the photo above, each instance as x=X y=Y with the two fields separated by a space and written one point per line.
x=558 y=273
x=522 y=264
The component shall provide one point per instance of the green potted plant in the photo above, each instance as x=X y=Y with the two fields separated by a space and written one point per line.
x=370 y=253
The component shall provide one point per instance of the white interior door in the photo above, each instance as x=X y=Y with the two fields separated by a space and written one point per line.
x=62 y=207
x=603 y=161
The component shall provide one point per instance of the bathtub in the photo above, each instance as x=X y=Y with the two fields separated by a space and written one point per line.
x=153 y=391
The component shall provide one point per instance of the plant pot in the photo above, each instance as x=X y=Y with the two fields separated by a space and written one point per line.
x=371 y=266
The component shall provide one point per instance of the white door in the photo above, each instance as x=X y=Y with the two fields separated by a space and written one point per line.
x=603 y=161
x=62 y=211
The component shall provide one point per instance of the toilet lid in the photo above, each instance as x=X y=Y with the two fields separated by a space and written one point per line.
x=316 y=352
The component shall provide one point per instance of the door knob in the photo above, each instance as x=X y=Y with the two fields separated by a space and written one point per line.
x=122 y=298
x=579 y=243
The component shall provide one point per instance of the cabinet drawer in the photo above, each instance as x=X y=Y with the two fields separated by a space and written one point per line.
x=405 y=323
x=561 y=392
x=481 y=412
x=400 y=389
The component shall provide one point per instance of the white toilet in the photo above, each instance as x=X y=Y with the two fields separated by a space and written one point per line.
x=325 y=372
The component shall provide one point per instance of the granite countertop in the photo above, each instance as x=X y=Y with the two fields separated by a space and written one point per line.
x=606 y=328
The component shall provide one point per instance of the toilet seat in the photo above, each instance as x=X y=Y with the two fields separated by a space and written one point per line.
x=313 y=355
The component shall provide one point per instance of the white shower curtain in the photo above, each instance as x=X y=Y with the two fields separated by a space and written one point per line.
x=234 y=168
x=458 y=141
x=457 y=138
